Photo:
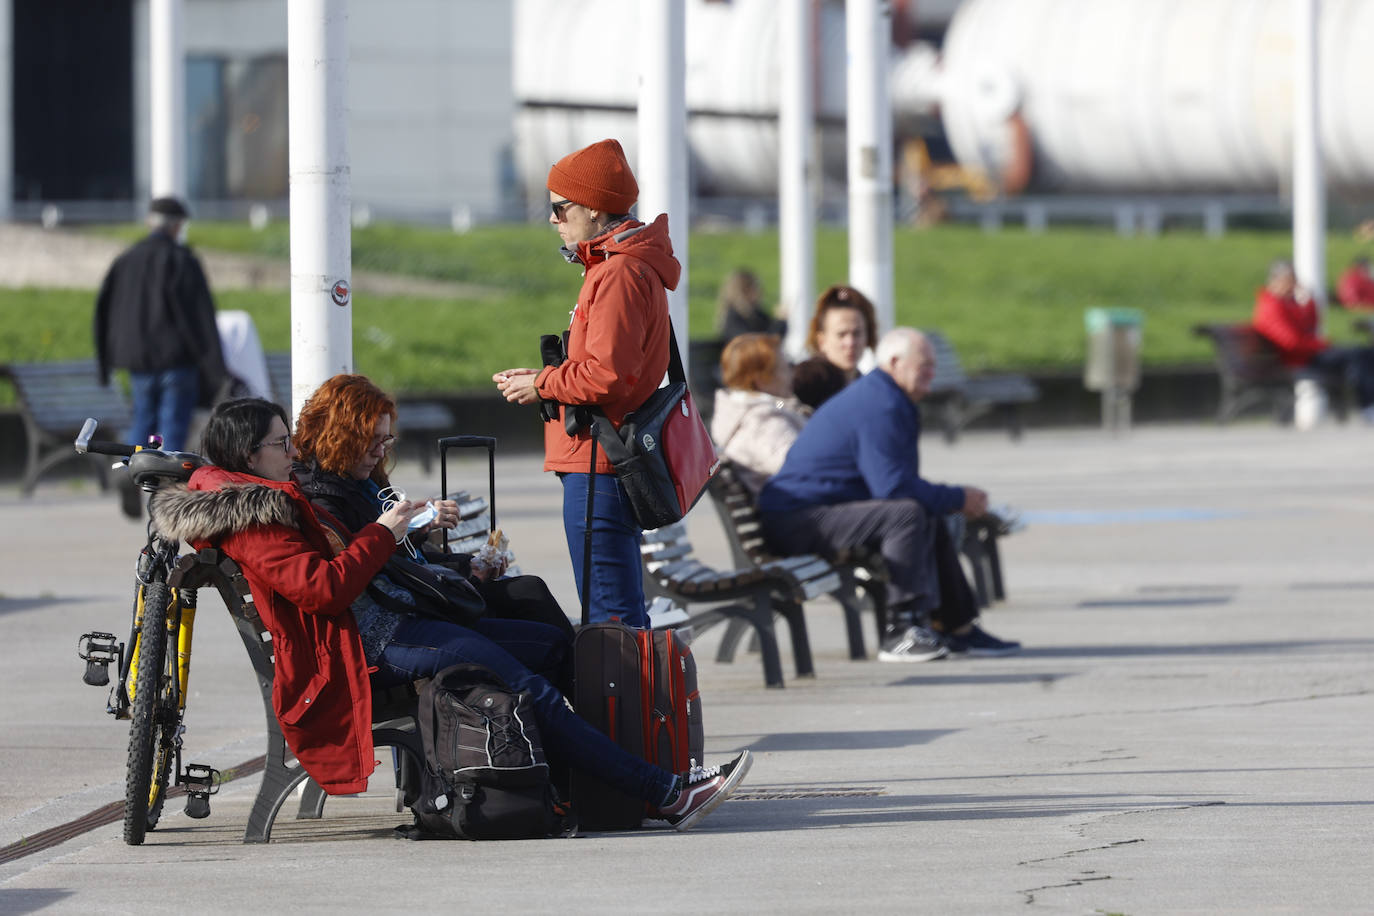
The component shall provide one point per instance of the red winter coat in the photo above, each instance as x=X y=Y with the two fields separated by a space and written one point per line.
x=1355 y=288
x=302 y=590
x=1290 y=325
x=618 y=345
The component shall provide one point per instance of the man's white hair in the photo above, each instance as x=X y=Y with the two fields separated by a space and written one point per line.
x=898 y=343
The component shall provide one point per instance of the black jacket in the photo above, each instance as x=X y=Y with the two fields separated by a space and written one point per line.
x=346 y=500
x=154 y=312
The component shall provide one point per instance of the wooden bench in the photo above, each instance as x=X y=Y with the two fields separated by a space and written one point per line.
x=394 y=711
x=957 y=398
x=854 y=581
x=425 y=420
x=750 y=594
x=54 y=401
x=1252 y=374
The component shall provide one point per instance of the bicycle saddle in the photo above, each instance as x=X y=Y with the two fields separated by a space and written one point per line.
x=151 y=467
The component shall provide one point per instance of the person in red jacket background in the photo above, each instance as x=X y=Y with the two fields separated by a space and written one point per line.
x=617 y=355
x=1355 y=289
x=1287 y=316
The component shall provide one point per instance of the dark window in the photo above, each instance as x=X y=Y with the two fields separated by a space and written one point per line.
x=73 y=100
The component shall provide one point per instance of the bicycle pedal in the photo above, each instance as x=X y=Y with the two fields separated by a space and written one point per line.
x=201 y=782
x=98 y=650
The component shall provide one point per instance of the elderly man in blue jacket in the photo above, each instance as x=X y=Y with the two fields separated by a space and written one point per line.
x=853 y=479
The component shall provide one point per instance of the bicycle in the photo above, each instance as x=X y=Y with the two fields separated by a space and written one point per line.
x=152 y=688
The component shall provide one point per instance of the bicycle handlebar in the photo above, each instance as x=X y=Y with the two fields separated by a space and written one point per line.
x=84 y=443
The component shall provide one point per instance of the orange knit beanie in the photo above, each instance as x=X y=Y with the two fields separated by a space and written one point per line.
x=596 y=176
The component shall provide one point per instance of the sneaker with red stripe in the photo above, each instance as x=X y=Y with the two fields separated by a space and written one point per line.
x=702 y=791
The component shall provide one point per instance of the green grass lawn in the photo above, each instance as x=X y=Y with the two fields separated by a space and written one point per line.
x=1006 y=300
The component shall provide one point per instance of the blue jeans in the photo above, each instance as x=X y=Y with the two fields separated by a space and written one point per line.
x=511 y=648
x=163 y=403
x=617 y=586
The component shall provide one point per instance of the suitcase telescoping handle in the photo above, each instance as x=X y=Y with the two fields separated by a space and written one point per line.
x=486 y=442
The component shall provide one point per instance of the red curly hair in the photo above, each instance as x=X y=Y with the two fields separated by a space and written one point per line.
x=336 y=425
x=750 y=361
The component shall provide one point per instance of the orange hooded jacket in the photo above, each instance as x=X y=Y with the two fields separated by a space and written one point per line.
x=618 y=340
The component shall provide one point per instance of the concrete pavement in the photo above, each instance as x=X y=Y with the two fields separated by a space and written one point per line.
x=1186 y=731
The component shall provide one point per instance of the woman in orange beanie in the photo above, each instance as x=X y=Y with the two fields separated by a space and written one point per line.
x=616 y=355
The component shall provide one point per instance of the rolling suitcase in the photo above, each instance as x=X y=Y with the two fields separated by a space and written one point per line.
x=638 y=687
x=512 y=596
x=486 y=442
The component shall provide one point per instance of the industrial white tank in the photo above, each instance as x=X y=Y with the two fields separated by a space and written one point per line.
x=1155 y=94
x=1148 y=95
x=576 y=77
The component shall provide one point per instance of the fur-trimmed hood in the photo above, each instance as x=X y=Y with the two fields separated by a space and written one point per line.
x=219 y=502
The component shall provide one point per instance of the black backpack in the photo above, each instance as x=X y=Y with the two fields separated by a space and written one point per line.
x=485 y=776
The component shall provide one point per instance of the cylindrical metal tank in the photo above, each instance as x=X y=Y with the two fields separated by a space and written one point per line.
x=569 y=97
x=1155 y=94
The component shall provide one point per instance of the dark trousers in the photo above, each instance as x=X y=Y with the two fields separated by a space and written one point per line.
x=1354 y=364
x=925 y=579
x=524 y=655
x=163 y=404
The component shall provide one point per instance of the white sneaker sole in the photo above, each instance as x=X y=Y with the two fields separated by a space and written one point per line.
x=746 y=760
x=929 y=656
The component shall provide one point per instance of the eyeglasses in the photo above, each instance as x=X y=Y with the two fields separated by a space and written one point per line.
x=385 y=443
x=284 y=443
x=560 y=209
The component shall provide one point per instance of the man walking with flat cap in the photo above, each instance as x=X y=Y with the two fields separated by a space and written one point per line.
x=155 y=317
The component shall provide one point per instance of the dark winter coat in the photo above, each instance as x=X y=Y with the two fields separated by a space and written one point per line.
x=154 y=312
x=302 y=589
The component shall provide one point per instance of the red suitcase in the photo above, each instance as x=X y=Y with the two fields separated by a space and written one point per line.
x=639 y=687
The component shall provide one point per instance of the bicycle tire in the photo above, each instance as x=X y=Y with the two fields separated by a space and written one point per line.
x=144 y=727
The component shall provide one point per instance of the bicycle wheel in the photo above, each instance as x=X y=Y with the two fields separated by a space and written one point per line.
x=139 y=780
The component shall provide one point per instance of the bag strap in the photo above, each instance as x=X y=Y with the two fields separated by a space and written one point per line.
x=605 y=433
x=587 y=534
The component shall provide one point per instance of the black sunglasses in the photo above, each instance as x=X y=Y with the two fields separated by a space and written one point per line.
x=560 y=207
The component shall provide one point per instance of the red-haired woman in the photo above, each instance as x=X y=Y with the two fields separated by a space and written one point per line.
x=756 y=419
x=345 y=434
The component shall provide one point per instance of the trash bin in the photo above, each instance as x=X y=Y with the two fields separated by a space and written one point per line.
x=1113 y=360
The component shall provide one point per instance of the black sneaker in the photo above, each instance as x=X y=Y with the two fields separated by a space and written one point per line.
x=703 y=789
x=917 y=644
x=977 y=642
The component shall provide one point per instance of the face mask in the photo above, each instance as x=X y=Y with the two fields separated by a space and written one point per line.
x=183 y=231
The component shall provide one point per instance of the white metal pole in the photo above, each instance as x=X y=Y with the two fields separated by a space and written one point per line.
x=167 y=101
x=6 y=110
x=321 y=234
x=868 y=144
x=662 y=172
x=1309 y=182
x=796 y=213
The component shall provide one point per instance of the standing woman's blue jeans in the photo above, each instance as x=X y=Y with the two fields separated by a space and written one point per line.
x=163 y=404
x=617 y=586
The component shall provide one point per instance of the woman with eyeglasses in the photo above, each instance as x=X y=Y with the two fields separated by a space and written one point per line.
x=616 y=354
x=333 y=644
x=345 y=434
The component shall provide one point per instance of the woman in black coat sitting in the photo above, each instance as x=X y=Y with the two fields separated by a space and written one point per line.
x=345 y=435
